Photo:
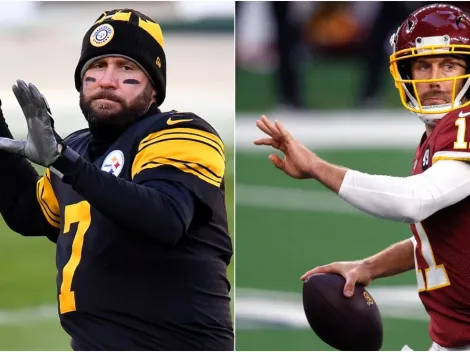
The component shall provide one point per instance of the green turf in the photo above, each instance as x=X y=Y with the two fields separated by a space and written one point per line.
x=37 y=336
x=325 y=84
x=28 y=281
x=397 y=334
x=257 y=169
x=275 y=246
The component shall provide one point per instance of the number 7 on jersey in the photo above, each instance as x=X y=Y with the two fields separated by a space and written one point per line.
x=75 y=213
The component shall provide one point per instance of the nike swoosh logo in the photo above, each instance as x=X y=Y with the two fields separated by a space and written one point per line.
x=462 y=114
x=174 y=122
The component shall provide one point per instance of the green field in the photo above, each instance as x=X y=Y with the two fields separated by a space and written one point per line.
x=325 y=84
x=28 y=316
x=285 y=227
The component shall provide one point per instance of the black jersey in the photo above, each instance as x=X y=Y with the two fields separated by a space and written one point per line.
x=118 y=290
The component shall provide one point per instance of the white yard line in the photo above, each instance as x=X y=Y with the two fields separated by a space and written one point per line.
x=24 y=316
x=338 y=129
x=259 y=309
x=292 y=199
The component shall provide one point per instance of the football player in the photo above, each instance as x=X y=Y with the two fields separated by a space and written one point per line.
x=430 y=67
x=135 y=203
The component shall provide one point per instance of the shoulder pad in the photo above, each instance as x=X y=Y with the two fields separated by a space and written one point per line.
x=451 y=116
x=178 y=120
x=452 y=136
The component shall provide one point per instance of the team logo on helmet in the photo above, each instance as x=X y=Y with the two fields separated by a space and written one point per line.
x=102 y=35
x=436 y=29
x=113 y=163
x=368 y=298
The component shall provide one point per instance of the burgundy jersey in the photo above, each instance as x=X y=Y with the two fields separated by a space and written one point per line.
x=442 y=250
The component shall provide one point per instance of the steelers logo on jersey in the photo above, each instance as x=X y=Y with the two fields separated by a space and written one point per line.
x=113 y=163
x=102 y=35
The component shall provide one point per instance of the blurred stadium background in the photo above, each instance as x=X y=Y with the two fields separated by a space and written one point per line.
x=40 y=43
x=322 y=69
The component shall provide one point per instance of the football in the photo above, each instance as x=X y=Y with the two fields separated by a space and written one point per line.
x=346 y=324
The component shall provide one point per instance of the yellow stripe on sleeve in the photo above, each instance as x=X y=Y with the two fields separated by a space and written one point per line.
x=47 y=199
x=192 y=151
x=189 y=133
x=451 y=155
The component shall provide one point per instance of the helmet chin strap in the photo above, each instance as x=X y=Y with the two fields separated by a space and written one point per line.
x=430 y=118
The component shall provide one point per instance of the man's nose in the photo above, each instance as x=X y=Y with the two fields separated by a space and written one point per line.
x=108 y=80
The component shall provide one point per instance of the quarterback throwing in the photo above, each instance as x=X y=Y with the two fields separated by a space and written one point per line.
x=430 y=67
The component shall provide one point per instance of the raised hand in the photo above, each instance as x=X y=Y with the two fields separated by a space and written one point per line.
x=298 y=161
x=41 y=144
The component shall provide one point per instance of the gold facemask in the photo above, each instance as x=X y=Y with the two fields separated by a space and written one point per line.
x=401 y=84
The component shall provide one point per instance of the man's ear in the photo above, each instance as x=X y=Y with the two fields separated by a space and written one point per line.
x=154 y=95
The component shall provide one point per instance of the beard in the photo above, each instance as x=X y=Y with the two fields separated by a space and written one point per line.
x=436 y=94
x=104 y=117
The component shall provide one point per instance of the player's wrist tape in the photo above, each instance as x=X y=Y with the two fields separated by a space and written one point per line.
x=65 y=164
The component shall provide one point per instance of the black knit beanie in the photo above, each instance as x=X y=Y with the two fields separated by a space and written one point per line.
x=127 y=33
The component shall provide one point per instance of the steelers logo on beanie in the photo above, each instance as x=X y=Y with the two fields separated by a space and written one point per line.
x=126 y=33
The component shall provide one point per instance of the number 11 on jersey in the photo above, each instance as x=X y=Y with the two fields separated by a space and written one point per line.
x=435 y=275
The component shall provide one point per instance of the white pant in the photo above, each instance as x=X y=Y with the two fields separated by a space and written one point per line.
x=437 y=347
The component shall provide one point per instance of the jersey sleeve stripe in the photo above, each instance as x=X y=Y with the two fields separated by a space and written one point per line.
x=191 y=169
x=200 y=169
x=185 y=133
x=198 y=158
x=184 y=139
x=50 y=200
x=48 y=203
x=451 y=155
x=53 y=221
